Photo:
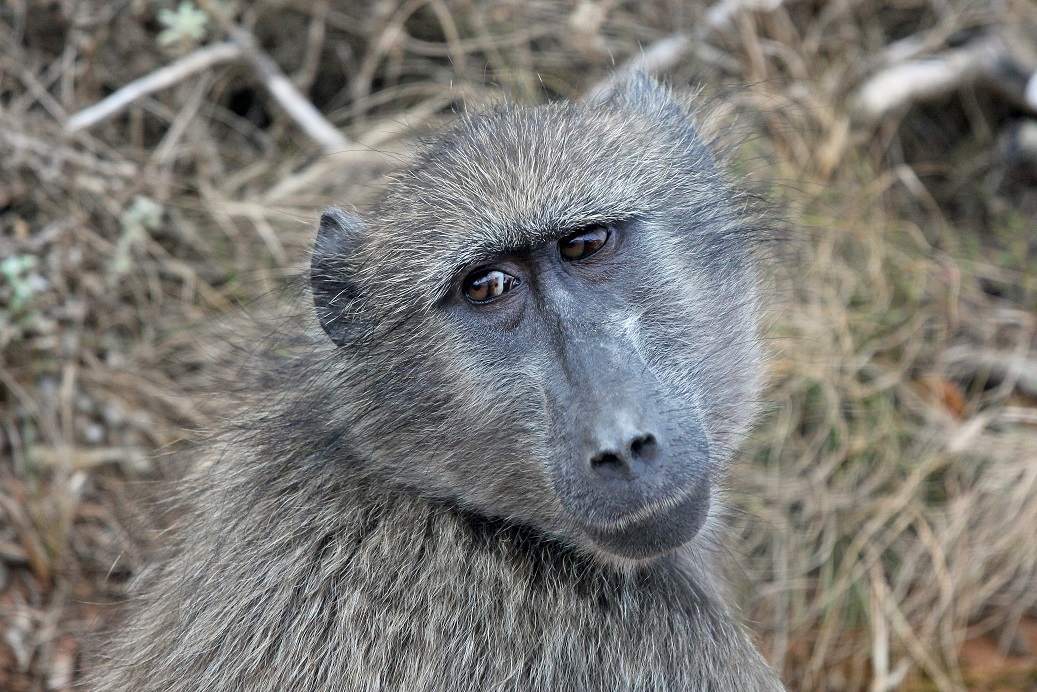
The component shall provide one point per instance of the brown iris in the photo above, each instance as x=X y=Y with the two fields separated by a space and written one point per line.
x=484 y=285
x=584 y=242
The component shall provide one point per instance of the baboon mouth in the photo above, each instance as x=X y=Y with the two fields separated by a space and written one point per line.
x=664 y=527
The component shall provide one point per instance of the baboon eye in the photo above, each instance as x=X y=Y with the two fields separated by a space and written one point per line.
x=484 y=285
x=584 y=242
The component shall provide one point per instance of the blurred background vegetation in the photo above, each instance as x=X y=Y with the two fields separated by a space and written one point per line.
x=884 y=514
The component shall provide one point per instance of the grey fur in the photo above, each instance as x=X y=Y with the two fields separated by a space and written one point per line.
x=388 y=519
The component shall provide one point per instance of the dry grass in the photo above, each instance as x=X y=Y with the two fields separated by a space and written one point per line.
x=890 y=495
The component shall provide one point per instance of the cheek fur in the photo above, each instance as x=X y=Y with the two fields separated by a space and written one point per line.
x=498 y=440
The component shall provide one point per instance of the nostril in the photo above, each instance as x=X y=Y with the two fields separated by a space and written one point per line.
x=606 y=460
x=609 y=465
x=644 y=448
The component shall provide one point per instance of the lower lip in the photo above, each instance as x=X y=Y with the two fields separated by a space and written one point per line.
x=659 y=534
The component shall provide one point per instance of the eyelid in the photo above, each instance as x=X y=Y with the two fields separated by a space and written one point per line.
x=595 y=235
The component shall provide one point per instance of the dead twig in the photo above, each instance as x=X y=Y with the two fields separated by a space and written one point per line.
x=199 y=60
x=990 y=60
x=242 y=44
x=968 y=362
x=721 y=15
x=281 y=87
x=80 y=459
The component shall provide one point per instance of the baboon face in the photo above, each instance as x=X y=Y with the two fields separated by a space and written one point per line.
x=550 y=318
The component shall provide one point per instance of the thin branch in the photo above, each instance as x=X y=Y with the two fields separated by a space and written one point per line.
x=963 y=361
x=79 y=458
x=989 y=60
x=199 y=60
x=281 y=87
x=721 y=15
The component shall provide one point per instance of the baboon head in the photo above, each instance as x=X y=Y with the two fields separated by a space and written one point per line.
x=549 y=318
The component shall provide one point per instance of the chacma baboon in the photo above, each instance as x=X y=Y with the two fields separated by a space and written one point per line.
x=499 y=471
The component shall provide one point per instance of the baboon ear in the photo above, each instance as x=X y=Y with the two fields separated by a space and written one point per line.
x=639 y=92
x=334 y=292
